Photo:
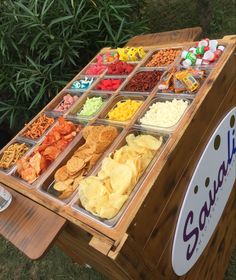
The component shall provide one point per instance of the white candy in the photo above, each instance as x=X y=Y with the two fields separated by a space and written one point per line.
x=164 y=114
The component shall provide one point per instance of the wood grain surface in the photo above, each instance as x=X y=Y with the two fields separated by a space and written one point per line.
x=28 y=226
x=149 y=221
x=175 y=36
x=116 y=233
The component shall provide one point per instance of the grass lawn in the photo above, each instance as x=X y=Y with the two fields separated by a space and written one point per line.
x=56 y=266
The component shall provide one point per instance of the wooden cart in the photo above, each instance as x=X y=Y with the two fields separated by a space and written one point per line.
x=140 y=245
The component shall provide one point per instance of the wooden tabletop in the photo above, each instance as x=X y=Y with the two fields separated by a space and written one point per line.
x=29 y=226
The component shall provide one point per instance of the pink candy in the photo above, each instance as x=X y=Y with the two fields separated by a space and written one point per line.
x=95 y=69
x=67 y=102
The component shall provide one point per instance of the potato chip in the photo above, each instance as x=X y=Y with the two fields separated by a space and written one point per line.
x=60 y=186
x=135 y=167
x=86 y=131
x=107 y=134
x=94 y=158
x=107 y=166
x=104 y=195
x=107 y=184
x=117 y=200
x=34 y=162
x=85 y=154
x=61 y=174
x=98 y=138
x=121 y=176
x=102 y=175
x=77 y=181
x=92 y=193
x=130 y=139
x=67 y=193
x=74 y=165
x=149 y=142
x=69 y=181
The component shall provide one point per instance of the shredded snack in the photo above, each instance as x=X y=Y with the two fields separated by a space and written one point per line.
x=98 y=139
x=91 y=106
x=12 y=154
x=164 y=114
x=38 y=127
x=103 y=195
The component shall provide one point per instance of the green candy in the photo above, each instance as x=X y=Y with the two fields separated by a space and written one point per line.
x=91 y=106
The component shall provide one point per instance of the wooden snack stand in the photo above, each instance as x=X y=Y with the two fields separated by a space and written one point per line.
x=145 y=242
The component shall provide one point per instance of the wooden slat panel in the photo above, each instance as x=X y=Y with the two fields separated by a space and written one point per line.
x=143 y=229
x=29 y=226
x=176 y=36
x=213 y=262
x=74 y=241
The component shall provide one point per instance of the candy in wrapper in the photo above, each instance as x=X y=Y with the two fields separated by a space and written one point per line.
x=131 y=54
x=141 y=52
x=179 y=86
x=123 y=55
x=166 y=79
x=82 y=84
x=107 y=57
x=190 y=82
x=197 y=74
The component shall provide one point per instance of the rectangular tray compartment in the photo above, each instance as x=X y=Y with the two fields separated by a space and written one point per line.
x=186 y=92
x=115 y=100
x=124 y=90
x=75 y=203
x=46 y=187
x=149 y=58
x=81 y=90
x=72 y=113
x=15 y=141
x=21 y=136
x=52 y=165
x=94 y=75
x=115 y=77
x=134 y=64
x=58 y=100
x=162 y=98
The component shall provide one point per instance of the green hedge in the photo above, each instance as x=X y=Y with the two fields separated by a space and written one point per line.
x=44 y=43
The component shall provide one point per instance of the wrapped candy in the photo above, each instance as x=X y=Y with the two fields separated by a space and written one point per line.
x=82 y=84
x=107 y=57
x=131 y=53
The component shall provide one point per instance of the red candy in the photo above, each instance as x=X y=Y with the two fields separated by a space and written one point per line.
x=109 y=84
x=144 y=81
x=119 y=68
x=95 y=69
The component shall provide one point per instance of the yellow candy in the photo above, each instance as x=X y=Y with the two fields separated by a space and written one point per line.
x=131 y=54
x=124 y=110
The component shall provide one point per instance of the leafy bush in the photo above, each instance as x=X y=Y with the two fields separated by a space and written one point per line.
x=44 y=43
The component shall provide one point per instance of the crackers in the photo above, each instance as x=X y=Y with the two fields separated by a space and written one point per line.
x=97 y=139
